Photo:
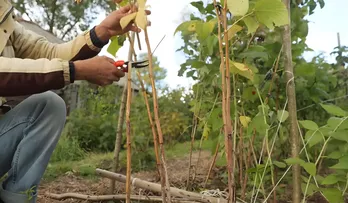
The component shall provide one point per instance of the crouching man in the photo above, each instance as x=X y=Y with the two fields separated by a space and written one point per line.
x=30 y=65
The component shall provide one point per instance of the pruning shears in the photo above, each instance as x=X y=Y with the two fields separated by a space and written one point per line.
x=123 y=65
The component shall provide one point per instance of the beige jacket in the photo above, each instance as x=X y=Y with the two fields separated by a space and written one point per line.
x=30 y=64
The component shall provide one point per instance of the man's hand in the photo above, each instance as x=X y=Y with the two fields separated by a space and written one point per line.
x=110 y=26
x=99 y=70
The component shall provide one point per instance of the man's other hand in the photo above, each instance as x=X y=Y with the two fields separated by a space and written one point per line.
x=110 y=26
x=99 y=70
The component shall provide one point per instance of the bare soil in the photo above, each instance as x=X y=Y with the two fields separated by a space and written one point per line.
x=177 y=172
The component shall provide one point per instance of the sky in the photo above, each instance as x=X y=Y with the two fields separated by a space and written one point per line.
x=167 y=15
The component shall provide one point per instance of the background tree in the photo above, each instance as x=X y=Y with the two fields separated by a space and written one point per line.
x=160 y=74
x=63 y=18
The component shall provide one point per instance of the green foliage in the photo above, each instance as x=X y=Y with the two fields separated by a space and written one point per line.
x=68 y=149
x=116 y=44
x=255 y=39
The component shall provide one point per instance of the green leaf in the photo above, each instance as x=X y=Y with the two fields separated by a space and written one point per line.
x=259 y=124
x=310 y=168
x=114 y=46
x=279 y=164
x=216 y=123
x=187 y=27
x=199 y=5
x=291 y=161
x=232 y=31
x=211 y=42
x=342 y=163
x=340 y=135
x=312 y=188
x=329 y=180
x=271 y=12
x=313 y=137
x=282 y=115
x=204 y=29
x=310 y=125
x=334 y=110
x=238 y=7
x=334 y=155
x=241 y=69
x=251 y=23
x=333 y=122
x=333 y=195
x=206 y=131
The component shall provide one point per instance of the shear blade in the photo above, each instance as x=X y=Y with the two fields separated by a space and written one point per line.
x=140 y=64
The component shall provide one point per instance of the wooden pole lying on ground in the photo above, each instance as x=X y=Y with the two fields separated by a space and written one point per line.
x=175 y=192
x=98 y=198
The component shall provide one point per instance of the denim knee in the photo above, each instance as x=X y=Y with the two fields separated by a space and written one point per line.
x=52 y=102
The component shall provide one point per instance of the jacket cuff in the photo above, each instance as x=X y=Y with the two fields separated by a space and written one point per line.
x=89 y=42
x=66 y=73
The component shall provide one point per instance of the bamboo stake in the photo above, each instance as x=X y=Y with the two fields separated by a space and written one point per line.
x=120 y=126
x=226 y=87
x=155 y=139
x=128 y=128
x=154 y=187
x=290 y=88
x=164 y=175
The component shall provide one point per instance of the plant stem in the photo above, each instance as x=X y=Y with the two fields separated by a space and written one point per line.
x=212 y=164
x=164 y=176
x=294 y=135
x=193 y=133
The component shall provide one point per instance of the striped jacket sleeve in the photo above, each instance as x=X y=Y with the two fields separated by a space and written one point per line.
x=40 y=65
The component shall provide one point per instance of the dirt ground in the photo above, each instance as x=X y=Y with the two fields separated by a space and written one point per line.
x=177 y=172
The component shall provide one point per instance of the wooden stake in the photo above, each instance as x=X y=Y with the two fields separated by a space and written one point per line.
x=120 y=125
x=164 y=175
x=98 y=198
x=292 y=109
x=226 y=94
x=128 y=129
x=155 y=139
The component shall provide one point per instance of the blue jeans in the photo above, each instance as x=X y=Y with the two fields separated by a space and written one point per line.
x=28 y=135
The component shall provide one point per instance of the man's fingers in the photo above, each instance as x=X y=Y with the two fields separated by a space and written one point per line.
x=125 y=9
x=118 y=73
x=148 y=12
x=134 y=28
x=110 y=60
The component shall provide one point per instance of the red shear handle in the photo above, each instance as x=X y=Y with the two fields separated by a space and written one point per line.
x=119 y=63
